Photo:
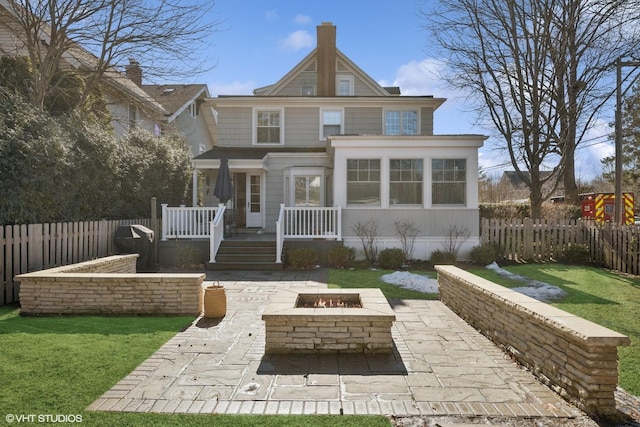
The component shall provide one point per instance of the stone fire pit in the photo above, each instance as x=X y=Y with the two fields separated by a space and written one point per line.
x=329 y=321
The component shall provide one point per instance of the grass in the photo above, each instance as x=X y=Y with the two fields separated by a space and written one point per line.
x=60 y=365
x=603 y=297
x=365 y=278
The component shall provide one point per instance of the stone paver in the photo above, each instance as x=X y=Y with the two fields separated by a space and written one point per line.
x=440 y=367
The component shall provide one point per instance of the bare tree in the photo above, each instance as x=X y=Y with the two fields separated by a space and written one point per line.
x=540 y=70
x=167 y=36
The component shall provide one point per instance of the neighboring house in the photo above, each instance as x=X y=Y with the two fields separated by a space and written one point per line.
x=188 y=113
x=512 y=188
x=128 y=104
x=327 y=134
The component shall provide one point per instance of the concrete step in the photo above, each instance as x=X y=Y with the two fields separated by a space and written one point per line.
x=266 y=266
x=246 y=255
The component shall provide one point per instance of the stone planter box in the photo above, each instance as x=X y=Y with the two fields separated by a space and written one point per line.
x=109 y=285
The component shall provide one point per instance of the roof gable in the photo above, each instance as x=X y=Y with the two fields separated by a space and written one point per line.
x=308 y=65
x=176 y=98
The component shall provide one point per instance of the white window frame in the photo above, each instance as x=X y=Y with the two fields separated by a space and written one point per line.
x=401 y=111
x=254 y=129
x=432 y=183
x=322 y=111
x=296 y=172
x=191 y=110
x=422 y=181
x=132 y=115
x=347 y=77
x=381 y=180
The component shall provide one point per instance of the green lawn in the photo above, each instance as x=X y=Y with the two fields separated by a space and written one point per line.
x=365 y=278
x=60 y=365
x=604 y=297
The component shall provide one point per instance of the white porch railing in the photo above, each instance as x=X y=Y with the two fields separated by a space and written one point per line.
x=216 y=234
x=187 y=222
x=307 y=223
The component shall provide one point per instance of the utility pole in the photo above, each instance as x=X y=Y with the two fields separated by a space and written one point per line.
x=619 y=209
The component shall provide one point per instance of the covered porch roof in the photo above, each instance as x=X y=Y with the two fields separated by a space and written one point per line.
x=251 y=153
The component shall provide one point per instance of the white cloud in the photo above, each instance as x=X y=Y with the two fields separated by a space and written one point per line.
x=297 y=40
x=233 y=88
x=271 y=15
x=302 y=19
x=417 y=77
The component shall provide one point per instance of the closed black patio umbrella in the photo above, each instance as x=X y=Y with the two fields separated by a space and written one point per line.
x=224 y=188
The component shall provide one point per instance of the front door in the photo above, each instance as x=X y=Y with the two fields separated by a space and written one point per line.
x=254 y=200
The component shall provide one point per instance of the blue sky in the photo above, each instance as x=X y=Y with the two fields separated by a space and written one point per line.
x=257 y=42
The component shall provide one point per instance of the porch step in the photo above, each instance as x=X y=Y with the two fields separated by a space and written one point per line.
x=246 y=255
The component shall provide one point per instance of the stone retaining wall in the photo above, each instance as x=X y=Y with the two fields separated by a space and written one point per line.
x=108 y=286
x=575 y=357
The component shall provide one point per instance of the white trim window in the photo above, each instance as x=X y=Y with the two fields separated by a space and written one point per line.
x=449 y=182
x=363 y=182
x=307 y=190
x=344 y=85
x=331 y=122
x=268 y=126
x=132 y=115
x=191 y=110
x=401 y=122
x=405 y=181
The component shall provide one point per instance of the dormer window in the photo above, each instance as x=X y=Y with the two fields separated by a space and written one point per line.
x=344 y=85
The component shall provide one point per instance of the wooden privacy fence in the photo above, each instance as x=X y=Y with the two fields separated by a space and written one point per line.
x=31 y=247
x=613 y=246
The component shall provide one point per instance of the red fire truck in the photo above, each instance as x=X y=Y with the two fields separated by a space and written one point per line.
x=601 y=206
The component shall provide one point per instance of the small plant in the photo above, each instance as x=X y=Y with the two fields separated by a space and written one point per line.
x=439 y=257
x=302 y=258
x=391 y=258
x=577 y=254
x=341 y=257
x=408 y=232
x=368 y=234
x=484 y=254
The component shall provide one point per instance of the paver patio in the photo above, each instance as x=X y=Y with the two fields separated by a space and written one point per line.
x=440 y=366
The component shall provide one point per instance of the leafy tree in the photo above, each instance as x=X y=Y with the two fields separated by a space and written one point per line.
x=630 y=145
x=70 y=169
x=152 y=166
x=34 y=153
x=14 y=74
x=539 y=70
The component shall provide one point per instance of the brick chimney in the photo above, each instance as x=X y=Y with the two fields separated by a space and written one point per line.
x=326 y=59
x=134 y=72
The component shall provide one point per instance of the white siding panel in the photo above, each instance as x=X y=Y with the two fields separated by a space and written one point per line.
x=363 y=121
x=302 y=127
x=235 y=127
x=294 y=88
x=426 y=121
x=195 y=131
x=362 y=89
x=120 y=118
